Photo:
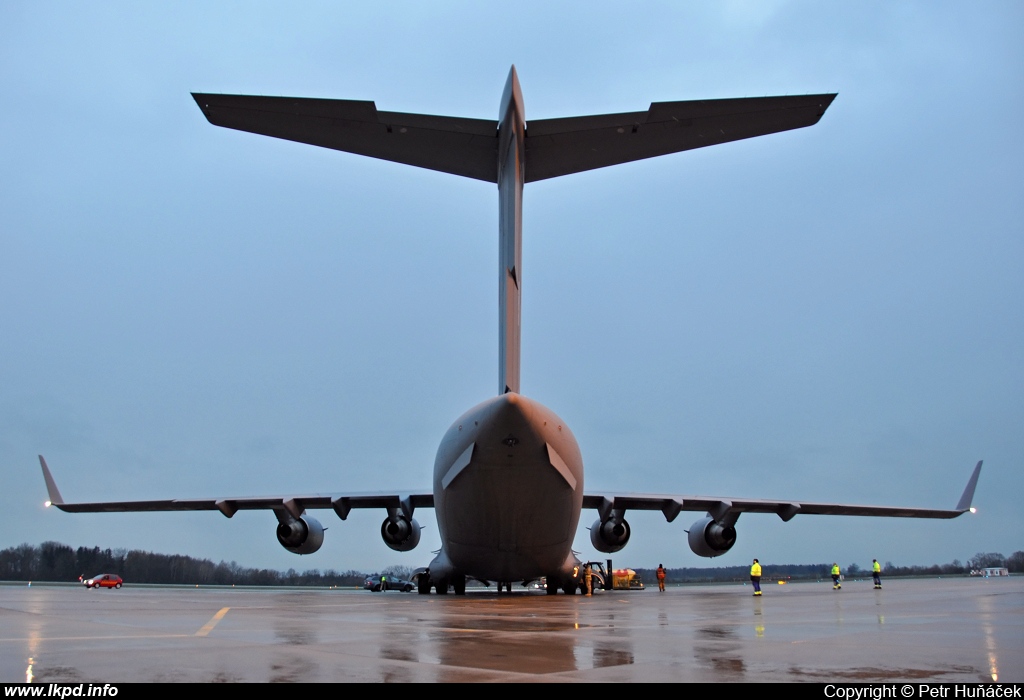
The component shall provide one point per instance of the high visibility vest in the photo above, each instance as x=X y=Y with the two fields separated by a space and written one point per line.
x=876 y=567
x=835 y=569
x=755 y=570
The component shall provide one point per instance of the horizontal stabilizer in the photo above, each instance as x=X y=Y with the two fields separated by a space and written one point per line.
x=553 y=147
x=557 y=147
x=467 y=147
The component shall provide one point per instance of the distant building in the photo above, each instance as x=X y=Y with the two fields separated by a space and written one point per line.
x=991 y=571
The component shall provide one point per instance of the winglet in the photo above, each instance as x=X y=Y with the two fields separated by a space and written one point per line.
x=51 y=485
x=965 y=500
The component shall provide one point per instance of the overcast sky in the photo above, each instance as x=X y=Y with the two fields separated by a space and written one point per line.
x=833 y=313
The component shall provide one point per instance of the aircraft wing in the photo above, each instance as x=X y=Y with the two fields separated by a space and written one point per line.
x=562 y=146
x=341 y=503
x=720 y=508
x=469 y=147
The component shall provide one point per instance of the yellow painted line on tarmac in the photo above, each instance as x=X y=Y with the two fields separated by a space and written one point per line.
x=205 y=629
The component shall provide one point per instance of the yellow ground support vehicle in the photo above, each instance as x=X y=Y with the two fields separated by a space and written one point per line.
x=608 y=579
x=626 y=580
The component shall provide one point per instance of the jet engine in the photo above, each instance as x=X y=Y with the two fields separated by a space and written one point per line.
x=400 y=533
x=609 y=535
x=302 y=535
x=711 y=538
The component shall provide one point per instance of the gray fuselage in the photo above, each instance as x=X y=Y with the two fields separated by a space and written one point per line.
x=508 y=490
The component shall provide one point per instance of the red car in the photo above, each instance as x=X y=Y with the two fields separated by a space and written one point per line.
x=102 y=581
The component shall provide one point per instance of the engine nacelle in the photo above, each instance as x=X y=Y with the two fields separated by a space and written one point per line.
x=710 y=538
x=609 y=536
x=400 y=534
x=301 y=536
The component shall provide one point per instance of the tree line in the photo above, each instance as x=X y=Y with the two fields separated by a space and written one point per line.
x=52 y=561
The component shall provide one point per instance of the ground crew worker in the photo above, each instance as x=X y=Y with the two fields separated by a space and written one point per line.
x=835 y=577
x=383 y=583
x=876 y=573
x=661 y=578
x=755 y=577
x=588 y=576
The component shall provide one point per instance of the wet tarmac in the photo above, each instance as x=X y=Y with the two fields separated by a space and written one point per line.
x=940 y=630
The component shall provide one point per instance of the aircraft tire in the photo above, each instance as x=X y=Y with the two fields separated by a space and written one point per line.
x=459 y=584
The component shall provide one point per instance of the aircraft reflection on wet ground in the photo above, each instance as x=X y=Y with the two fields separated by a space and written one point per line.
x=949 y=630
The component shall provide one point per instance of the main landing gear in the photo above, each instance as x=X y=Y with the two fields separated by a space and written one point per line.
x=424 y=583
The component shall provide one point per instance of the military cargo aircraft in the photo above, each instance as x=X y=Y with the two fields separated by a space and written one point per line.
x=508 y=488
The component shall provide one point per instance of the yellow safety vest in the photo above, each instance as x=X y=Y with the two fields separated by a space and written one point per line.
x=835 y=570
x=755 y=570
x=876 y=567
